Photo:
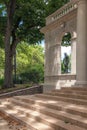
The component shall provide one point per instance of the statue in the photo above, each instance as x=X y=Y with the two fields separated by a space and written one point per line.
x=66 y=63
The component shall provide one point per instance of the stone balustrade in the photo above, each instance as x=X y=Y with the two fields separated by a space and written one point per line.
x=61 y=77
x=62 y=11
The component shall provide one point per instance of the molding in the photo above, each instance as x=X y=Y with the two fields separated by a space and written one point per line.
x=59 y=22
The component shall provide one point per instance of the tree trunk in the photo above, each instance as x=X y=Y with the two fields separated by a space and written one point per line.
x=9 y=54
x=8 y=82
x=8 y=59
x=8 y=78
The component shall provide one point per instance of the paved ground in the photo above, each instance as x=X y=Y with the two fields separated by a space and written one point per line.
x=9 y=125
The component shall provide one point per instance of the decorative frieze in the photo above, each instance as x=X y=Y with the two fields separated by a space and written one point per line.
x=62 y=11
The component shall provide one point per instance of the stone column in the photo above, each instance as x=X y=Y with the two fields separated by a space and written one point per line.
x=81 y=52
x=73 y=56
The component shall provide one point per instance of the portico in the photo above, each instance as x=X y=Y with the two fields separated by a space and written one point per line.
x=70 y=18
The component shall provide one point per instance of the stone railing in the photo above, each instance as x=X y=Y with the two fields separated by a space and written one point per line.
x=61 y=77
x=62 y=11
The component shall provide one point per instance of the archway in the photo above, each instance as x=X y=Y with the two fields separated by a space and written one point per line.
x=59 y=24
x=66 y=53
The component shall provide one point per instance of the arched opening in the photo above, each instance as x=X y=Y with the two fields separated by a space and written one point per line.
x=66 y=53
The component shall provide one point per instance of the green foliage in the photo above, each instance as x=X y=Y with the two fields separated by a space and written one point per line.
x=34 y=74
x=1 y=41
x=1 y=81
x=30 y=63
x=1 y=66
x=66 y=41
x=28 y=56
x=29 y=17
x=2 y=58
x=54 y=5
x=32 y=13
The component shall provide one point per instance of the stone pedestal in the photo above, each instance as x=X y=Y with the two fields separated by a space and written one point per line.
x=81 y=52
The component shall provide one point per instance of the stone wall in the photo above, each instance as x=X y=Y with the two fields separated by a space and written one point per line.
x=26 y=91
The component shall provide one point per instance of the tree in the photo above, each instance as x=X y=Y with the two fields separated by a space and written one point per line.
x=54 y=5
x=24 y=18
x=28 y=55
x=30 y=63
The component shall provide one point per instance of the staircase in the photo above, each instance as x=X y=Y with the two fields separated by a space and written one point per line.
x=64 y=109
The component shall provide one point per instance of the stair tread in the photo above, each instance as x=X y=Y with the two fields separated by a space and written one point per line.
x=70 y=91
x=68 y=94
x=58 y=113
x=39 y=125
x=64 y=113
x=36 y=125
x=75 y=88
x=65 y=105
x=45 y=95
x=37 y=97
x=49 y=111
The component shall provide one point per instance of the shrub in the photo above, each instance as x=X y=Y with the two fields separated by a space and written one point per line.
x=34 y=74
x=1 y=81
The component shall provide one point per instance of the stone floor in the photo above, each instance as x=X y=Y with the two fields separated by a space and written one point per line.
x=10 y=125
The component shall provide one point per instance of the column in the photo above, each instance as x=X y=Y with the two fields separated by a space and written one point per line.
x=73 y=56
x=59 y=58
x=81 y=52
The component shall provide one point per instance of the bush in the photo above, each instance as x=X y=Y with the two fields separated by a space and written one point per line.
x=34 y=74
x=1 y=81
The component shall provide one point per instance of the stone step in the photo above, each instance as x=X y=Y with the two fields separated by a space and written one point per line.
x=56 y=105
x=29 y=115
x=70 y=91
x=48 y=109
x=31 y=123
x=65 y=99
x=70 y=95
x=70 y=108
x=30 y=103
x=3 y=124
x=74 y=88
x=62 y=115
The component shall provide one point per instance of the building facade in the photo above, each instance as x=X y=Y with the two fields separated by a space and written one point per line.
x=71 y=18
